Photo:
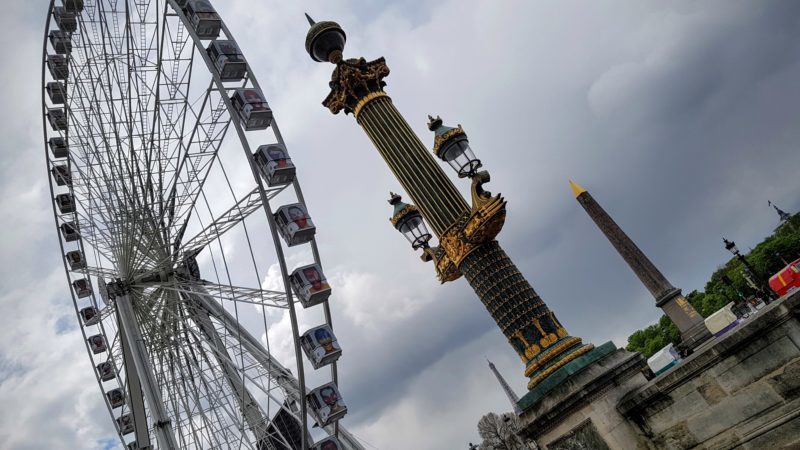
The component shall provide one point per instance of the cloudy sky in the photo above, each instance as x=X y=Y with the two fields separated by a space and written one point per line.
x=680 y=118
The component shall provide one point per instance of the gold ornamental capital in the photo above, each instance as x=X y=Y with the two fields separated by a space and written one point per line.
x=352 y=81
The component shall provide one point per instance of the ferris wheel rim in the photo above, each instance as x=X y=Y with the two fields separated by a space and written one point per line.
x=265 y=205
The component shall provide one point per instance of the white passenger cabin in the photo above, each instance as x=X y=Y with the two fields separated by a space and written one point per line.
x=69 y=231
x=58 y=147
x=329 y=443
x=57 y=118
x=228 y=60
x=65 y=203
x=116 y=398
x=82 y=288
x=61 y=41
x=295 y=224
x=309 y=284
x=252 y=109
x=326 y=404
x=125 y=424
x=90 y=315
x=65 y=20
x=204 y=18
x=57 y=65
x=55 y=90
x=75 y=260
x=320 y=346
x=275 y=164
x=74 y=6
x=61 y=175
x=97 y=343
x=105 y=370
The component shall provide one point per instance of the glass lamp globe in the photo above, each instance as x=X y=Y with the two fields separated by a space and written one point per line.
x=408 y=221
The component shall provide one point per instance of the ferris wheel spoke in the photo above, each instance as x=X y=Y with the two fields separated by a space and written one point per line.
x=227 y=220
x=226 y=292
x=199 y=155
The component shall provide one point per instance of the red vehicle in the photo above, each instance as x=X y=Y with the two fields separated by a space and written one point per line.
x=787 y=280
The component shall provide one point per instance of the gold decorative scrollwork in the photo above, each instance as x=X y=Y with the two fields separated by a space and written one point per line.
x=551 y=354
x=557 y=365
x=480 y=225
x=445 y=269
x=352 y=81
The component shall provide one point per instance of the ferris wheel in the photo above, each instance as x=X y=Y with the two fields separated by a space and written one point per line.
x=175 y=241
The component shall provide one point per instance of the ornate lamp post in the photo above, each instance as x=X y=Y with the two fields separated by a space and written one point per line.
x=763 y=289
x=466 y=232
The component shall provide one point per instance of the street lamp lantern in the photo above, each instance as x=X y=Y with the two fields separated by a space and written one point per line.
x=407 y=220
x=730 y=246
x=452 y=146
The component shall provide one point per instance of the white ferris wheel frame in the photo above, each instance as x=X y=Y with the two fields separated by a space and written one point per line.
x=126 y=345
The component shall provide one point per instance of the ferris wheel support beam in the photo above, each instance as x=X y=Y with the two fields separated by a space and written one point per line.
x=135 y=396
x=140 y=361
x=254 y=347
x=247 y=404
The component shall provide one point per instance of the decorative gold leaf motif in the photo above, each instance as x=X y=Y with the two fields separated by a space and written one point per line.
x=352 y=81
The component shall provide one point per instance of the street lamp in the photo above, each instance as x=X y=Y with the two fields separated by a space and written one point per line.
x=731 y=247
x=765 y=292
x=466 y=232
x=452 y=146
x=408 y=221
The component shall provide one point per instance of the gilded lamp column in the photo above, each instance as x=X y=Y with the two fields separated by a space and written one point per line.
x=466 y=231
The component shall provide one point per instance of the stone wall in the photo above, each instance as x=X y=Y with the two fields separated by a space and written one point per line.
x=580 y=414
x=738 y=391
x=741 y=390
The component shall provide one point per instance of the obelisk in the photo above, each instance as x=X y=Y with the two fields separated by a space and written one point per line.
x=690 y=324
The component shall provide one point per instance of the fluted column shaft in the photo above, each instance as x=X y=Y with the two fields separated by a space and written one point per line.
x=419 y=174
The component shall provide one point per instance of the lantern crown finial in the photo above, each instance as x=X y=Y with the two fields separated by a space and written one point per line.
x=433 y=124
x=394 y=198
x=310 y=20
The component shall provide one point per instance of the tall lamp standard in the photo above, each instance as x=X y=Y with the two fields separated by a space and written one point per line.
x=764 y=289
x=466 y=232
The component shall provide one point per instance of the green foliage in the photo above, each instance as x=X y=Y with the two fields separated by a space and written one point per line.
x=770 y=256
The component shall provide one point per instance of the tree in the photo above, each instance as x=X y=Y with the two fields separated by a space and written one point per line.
x=499 y=432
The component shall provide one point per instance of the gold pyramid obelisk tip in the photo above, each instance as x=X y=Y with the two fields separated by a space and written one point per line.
x=576 y=188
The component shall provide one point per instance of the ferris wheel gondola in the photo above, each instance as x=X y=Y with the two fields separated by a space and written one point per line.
x=139 y=99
